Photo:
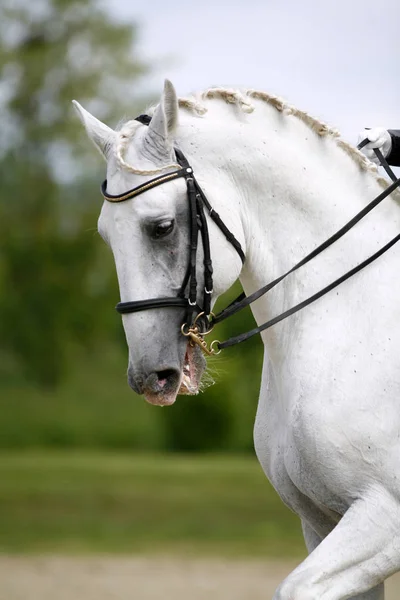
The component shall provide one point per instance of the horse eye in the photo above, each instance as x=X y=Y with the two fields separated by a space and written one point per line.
x=163 y=229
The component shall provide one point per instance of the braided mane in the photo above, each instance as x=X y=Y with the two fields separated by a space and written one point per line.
x=243 y=99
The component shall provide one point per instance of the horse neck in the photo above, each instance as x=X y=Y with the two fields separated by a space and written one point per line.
x=292 y=189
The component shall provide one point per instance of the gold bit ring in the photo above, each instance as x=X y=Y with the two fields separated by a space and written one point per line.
x=215 y=352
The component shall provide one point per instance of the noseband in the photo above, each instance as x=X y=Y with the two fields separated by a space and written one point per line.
x=199 y=319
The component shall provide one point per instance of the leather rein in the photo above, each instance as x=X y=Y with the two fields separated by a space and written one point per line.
x=199 y=319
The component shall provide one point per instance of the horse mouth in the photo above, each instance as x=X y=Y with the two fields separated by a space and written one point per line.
x=191 y=372
x=187 y=384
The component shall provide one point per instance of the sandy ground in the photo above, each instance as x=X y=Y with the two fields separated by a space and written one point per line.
x=123 y=578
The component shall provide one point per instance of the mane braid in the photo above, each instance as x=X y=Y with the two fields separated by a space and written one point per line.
x=242 y=99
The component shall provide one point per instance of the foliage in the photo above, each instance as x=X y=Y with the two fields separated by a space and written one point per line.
x=62 y=350
x=93 y=407
x=50 y=53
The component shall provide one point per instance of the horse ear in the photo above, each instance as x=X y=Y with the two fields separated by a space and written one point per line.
x=101 y=135
x=165 y=119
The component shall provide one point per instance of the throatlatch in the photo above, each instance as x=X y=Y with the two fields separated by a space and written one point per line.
x=199 y=319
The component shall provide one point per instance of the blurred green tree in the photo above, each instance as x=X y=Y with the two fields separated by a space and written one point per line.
x=53 y=284
x=61 y=366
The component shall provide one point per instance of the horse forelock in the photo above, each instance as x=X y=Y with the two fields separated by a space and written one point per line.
x=197 y=104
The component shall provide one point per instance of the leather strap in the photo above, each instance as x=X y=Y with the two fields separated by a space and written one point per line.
x=128 y=307
x=243 y=301
x=207 y=262
x=380 y=157
x=143 y=187
x=212 y=213
x=385 y=164
x=245 y=336
x=219 y=222
x=194 y=240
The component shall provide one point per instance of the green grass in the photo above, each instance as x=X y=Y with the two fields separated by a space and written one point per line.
x=78 y=502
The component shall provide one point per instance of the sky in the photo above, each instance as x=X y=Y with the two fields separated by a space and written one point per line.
x=338 y=60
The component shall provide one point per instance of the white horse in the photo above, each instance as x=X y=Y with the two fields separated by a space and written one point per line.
x=327 y=431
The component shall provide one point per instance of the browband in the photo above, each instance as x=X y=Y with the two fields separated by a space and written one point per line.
x=144 y=187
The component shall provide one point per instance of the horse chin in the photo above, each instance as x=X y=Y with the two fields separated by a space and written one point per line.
x=160 y=398
x=189 y=384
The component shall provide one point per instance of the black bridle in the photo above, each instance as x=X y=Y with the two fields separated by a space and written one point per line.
x=187 y=296
x=199 y=319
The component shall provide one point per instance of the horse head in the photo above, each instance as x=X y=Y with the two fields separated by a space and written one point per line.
x=150 y=237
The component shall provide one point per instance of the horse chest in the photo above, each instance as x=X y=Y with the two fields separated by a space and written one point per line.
x=298 y=471
x=271 y=450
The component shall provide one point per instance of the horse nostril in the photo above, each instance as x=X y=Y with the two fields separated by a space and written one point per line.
x=166 y=376
x=161 y=380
